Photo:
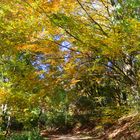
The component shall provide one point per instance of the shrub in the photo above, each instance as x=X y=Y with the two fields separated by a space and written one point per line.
x=31 y=135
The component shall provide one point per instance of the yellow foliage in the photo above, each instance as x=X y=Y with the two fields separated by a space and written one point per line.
x=74 y=81
x=3 y=95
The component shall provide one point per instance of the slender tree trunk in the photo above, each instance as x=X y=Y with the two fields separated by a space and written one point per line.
x=136 y=96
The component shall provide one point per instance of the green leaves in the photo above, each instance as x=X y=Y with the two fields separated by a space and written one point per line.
x=60 y=19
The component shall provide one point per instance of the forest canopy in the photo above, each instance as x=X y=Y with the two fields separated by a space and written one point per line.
x=68 y=57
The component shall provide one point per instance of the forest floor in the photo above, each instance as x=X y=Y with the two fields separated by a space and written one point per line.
x=125 y=128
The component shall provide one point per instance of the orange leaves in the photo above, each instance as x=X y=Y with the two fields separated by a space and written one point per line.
x=46 y=47
x=3 y=95
x=36 y=48
x=54 y=6
x=74 y=81
x=50 y=6
x=68 y=5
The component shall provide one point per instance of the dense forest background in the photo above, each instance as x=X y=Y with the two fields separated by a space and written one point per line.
x=68 y=63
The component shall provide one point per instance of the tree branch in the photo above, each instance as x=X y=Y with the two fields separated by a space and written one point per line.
x=95 y=22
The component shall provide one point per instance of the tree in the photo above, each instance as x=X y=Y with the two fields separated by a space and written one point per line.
x=76 y=46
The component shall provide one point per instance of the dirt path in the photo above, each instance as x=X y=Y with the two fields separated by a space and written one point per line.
x=71 y=137
x=125 y=128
